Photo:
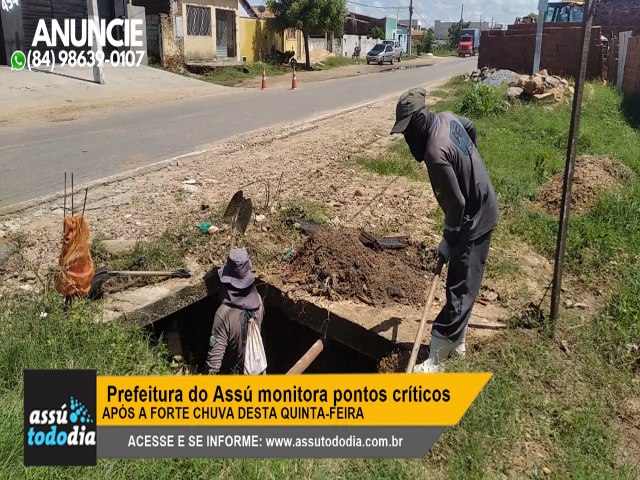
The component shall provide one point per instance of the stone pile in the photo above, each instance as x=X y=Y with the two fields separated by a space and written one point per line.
x=539 y=87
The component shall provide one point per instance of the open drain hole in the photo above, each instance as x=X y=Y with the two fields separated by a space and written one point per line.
x=186 y=332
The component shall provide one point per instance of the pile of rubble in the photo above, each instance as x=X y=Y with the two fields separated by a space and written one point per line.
x=539 y=87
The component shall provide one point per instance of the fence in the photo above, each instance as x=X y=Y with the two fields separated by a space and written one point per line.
x=630 y=82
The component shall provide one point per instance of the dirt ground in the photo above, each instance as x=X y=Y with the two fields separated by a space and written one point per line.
x=309 y=163
x=334 y=263
x=592 y=177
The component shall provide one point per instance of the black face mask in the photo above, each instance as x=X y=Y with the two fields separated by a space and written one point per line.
x=417 y=134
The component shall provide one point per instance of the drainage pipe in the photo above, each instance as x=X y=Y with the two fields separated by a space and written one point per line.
x=307 y=359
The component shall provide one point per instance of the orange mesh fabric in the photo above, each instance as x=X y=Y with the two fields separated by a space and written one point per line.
x=76 y=265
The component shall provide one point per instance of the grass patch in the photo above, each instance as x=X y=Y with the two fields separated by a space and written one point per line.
x=233 y=75
x=396 y=160
x=444 y=52
x=336 y=62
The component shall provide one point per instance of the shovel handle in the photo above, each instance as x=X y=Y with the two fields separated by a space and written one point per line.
x=176 y=273
x=425 y=312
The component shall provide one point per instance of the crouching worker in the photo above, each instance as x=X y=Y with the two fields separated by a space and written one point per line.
x=237 y=320
x=446 y=144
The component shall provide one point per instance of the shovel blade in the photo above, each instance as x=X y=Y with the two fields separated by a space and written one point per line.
x=234 y=207
x=244 y=216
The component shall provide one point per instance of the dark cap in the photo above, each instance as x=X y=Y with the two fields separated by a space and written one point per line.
x=409 y=103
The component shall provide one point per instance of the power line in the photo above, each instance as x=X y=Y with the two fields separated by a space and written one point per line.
x=376 y=6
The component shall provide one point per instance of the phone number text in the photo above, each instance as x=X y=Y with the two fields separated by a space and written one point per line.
x=49 y=59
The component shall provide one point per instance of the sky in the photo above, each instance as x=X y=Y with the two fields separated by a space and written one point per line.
x=502 y=11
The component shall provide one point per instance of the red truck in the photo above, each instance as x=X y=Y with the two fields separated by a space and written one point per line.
x=465 y=46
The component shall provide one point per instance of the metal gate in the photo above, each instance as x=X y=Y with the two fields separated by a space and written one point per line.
x=222 y=33
x=225 y=34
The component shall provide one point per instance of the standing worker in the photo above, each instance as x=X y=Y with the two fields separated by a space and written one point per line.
x=239 y=301
x=447 y=145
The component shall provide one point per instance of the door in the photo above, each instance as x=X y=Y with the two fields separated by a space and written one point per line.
x=222 y=33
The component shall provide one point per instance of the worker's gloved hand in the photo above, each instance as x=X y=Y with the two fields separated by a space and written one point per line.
x=443 y=250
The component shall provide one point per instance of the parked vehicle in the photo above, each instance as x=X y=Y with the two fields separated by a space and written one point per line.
x=474 y=33
x=465 y=46
x=380 y=54
x=397 y=48
x=564 y=12
x=276 y=57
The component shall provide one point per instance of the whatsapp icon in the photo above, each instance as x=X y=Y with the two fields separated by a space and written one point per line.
x=18 y=60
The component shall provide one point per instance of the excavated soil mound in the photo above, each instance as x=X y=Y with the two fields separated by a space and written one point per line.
x=592 y=177
x=334 y=263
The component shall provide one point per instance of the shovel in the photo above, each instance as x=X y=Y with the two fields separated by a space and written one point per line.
x=423 y=321
x=102 y=275
x=238 y=215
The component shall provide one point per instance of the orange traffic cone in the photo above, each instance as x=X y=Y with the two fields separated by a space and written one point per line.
x=264 y=79
x=294 y=80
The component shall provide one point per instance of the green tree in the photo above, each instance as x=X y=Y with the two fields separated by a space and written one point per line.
x=454 y=34
x=533 y=17
x=376 y=32
x=427 y=41
x=309 y=16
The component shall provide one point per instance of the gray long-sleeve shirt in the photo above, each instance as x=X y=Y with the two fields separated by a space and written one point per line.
x=226 y=346
x=459 y=178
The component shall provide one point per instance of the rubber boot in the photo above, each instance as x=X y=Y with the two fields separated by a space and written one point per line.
x=460 y=347
x=439 y=350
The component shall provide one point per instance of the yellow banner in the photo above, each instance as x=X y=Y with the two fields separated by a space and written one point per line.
x=287 y=400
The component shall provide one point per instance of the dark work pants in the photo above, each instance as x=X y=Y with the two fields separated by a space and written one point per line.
x=466 y=269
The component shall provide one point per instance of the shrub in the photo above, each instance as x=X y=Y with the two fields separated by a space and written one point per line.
x=482 y=101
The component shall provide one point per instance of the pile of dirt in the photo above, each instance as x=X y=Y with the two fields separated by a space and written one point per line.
x=317 y=55
x=395 y=362
x=592 y=177
x=334 y=263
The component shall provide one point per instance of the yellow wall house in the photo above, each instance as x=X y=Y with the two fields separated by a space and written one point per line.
x=210 y=30
x=194 y=31
x=257 y=38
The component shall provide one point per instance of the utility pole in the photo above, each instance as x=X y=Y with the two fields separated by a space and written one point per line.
x=461 y=15
x=542 y=8
x=410 y=26
x=574 y=131
x=96 y=47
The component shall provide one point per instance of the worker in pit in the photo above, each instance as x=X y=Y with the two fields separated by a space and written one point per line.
x=239 y=300
x=446 y=143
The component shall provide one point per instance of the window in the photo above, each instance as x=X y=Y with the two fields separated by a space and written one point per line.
x=291 y=33
x=389 y=48
x=198 y=21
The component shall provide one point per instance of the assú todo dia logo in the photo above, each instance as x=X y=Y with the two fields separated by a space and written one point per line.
x=70 y=425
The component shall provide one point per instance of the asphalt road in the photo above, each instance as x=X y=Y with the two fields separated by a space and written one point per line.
x=33 y=159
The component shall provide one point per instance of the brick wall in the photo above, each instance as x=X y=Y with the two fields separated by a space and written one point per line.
x=615 y=16
x=631 y=80
x=514 y=49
